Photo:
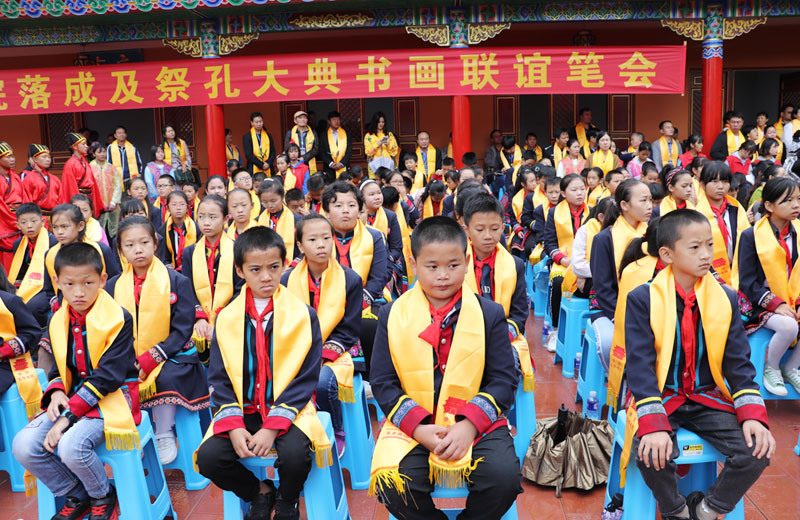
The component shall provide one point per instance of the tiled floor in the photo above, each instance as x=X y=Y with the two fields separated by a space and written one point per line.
x=776 y=496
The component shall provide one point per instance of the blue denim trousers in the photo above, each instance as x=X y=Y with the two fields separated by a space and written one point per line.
x=328 y=397
x=74 y=469
x=604 y=332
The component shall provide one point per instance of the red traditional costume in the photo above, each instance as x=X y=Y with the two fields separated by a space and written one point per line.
x=78 y=177
x=39 y=186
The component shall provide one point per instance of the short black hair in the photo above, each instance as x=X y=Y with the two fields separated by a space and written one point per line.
x=259 y=238
x=582 y=110
x=167 y=177
x=464 y=193
x=271 y=185
x=542 y=170
x=255 y=115
x=448 y=161
x=28 y=208
x=316 y=182
x=762 y=113
x=662 y=123
x=130 y=207
x=347 y=176
x=482 y=203
x=568 y=179
x=390 y=196
x=469 y=159
x=245 y=193
x=656 y=191
x=437 y=230
x=356 y=171
x=78 y=254
x=334 y=113
x=671 y=225
x=528 y=155
x=509 y=141
x=260 y=176
x=240 y=171
x=72 y=212
x=644 y=146
x=552 y=180
x=716 y=170
x=293 y=195
x=305 y=220
x=332 y=191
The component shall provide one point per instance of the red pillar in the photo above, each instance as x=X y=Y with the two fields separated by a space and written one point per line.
x=462 y=130
x=712 y=79
x=215 y=140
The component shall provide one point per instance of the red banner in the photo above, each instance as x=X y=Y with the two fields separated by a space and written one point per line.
x=396 y=73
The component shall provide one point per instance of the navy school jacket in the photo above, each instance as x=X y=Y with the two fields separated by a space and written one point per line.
x=379 y=270
x=187 y=270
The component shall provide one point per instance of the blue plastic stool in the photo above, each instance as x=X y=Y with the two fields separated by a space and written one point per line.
x=324 y=491
x=639 y=503
x=571 y=319
x=797 y=448
x=378 y=412
x=190 y=434
x=13 y=418
x=759 y=340
x=138 y=475
x=541 y=281
x=592 y=376
x=529 y=276
x=462 y=492
x=360 y=442
x=523 y=417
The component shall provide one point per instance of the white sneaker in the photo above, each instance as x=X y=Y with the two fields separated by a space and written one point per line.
x=793 y=377
x=368 y=390
x=552 y=340
x=773 y=382
x=167 y=448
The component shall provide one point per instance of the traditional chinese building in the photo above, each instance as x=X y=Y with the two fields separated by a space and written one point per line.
x=459 y=65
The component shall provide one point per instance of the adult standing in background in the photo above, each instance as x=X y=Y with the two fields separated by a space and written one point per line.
x=258 y=146
x=124 y=156
x=305 y=138
x=666 y=150
x=336 y=148
x=492 y=156
x=380 y=145
x=583 y=125
x=232 y=152
x=730 y=139
x=176 y=154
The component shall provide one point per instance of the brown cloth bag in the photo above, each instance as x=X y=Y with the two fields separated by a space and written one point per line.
x=573 y=454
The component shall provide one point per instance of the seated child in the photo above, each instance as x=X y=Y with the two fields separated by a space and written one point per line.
x=650 y=173
x=94 y=231
x=768 y=253
x=296 y=202
x=623 y=222
x=298 y=172
x=335 y=293
x=191 y=189
x=391 y=202
x=596 y=188
x=679 y=183
x=384 y=220
x=164 y=185
x=93 y=396
x=316 y=184
x=685 y=310
x=215 y=185
x=443 y=372
x=244 y=179
x=579 y=273
x=240 y=208
x=266 y=330
x=162 y=304
x=430 y=202
x=208 y=265
x=657 y=193
x=276 y=215
x=396 y=180
x=258 y=178
x=27 y=265
x=542 y=212
x=179 y=231
x=137 y=189
x=532 y=201
x=495 y=274
x=126 y=209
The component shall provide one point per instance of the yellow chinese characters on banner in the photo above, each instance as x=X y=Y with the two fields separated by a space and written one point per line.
x=350 y=74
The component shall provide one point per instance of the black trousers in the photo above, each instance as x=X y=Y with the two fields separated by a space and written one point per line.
x=217 y=461
x=494 y=487
x=555 y=298
x=721 y=430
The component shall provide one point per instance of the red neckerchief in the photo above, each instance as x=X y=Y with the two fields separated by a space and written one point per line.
x=371 y=219
x=211 y=259
x=314 y=287
x=31 y=246
x=263 y=372
x=782 y=241
x=435 y=205
x=489 y=260
x=720 y=215
x=577 y=216
x=274 y=217
x=181 y=232
x=163 y=211
x=688 y=337
x=433 y=332
x=343 y=250
x=77 y=322
x=137 y=287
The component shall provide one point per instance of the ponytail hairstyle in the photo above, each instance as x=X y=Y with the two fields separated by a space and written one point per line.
x=669 y=175
x=776 y=189
x=522 y=178
x=624 y=193
x=74 y=214
x=640 y=247
x=692 y=140
x=698 y=163
x=601 y=208
x=435 y=187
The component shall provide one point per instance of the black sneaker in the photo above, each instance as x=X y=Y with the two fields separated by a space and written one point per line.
x=105 y=508
x=692 y=501
x=287 y=509
x=261 y=506
x=73 y=509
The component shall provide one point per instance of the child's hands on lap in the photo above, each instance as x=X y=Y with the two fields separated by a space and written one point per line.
x=565 y=261
x=203 y=329
x=55 y=433
x=58 y=401
x=262 y=441
x=429 y=435
x=240 y=439
x=765 y=442
x=784 y=310
x=457 y=440
x=659 y=444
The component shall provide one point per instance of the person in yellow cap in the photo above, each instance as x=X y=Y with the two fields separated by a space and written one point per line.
x=305 y=138
x=39 y=186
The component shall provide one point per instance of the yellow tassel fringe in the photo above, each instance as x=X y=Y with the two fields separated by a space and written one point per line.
x=201 y=344
x=391 y=478
x=33 y=409
x=147 y=392
x=122 y=440
x=451 y=477
x=30 y=484
x=324 y=455
x=528 y=382
x=346 y=394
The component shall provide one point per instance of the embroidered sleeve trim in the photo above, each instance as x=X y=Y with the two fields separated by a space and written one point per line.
x=284 y=412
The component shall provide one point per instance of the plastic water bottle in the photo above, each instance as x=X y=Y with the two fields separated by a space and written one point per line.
x=545 y=332
x=578 y=359
x=592 y=410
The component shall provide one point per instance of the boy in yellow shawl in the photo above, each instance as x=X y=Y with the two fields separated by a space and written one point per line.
x=93 y=396
x=443 y=372
x=266 y=354
x=686 y=346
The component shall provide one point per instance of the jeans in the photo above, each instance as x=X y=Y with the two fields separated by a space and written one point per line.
x=75 y=469
x=720 y=429
x=604 y=333
x=328 y=397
